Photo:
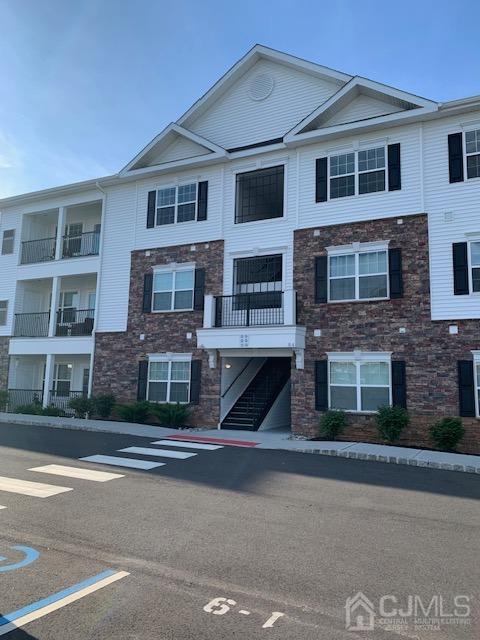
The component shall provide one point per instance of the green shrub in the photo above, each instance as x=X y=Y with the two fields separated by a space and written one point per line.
x=136 y=412
x=81 y=406
x=447 y=433
x=171 y=415
x=51 y=410
x=3 y=400
x=391 y=421
x=332 y=423
x=103 y=405
x=34 y=408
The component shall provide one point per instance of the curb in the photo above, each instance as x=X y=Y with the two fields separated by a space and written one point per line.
x=372 y=457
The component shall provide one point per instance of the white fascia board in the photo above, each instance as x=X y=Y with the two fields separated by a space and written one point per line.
x=168 y=167
x=256 y=53
x=172 y=128
x=369 y=124
x=53 y=192
x=55 y=346
x=353 y=88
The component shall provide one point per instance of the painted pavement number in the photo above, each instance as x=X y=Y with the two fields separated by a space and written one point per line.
x=220 y=606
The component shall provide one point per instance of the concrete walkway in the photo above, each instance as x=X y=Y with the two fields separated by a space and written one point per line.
x=273 y=439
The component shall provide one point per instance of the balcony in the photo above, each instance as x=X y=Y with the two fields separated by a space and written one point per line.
x=42 y=250
x=83 y=244
x=74 y=322
x=252 y=321
x=31 y=325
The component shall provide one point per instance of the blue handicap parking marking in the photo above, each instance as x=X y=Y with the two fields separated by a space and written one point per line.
x=30 y=556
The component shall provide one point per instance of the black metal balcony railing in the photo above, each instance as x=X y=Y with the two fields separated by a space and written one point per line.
x=21 y=397
x=38 y=251
x=74 y=322
x=31 y=325
x=60 y=398
x=249 y=309
x=83 y=244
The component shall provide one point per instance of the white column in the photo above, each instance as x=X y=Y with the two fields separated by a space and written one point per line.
x=90 y=375
x=289 y=307
x=54 y=306
x=60 y=227
x=209 y=312
x=49 y=368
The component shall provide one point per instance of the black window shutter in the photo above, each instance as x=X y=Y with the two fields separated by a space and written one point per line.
x=321 y=385
x=321 y=279
x=152 y=202
x=199 y=290
x=466 y=388
x=142 y=380
x=455 y=157
x=195 y=376
x=395 y=273
x=394 y=167
x=202 y=200
x=321 y=180
x=147 y=293
x=460 y=269
x=399 y=385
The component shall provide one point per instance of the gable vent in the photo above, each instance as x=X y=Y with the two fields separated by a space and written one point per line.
x=260 y=87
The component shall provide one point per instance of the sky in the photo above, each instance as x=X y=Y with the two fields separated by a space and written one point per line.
x=86 y=84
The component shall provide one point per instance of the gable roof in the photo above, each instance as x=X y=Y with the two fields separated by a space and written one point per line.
x=321 y=121
x=156 y=152
x=256 y=53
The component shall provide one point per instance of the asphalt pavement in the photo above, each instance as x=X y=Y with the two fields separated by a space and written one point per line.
x=229 y=543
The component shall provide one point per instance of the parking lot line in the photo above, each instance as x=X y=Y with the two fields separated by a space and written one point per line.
x=188 y=445
x=162 y=453
x=27 y=488
x=58 y=600
x=116 y=461
x=77 y=472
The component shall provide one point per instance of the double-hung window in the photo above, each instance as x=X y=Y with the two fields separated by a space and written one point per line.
x=475 y=265
x=361 y=275
x=472 y=150
x=359 y=383
x=3 y=312
x=357 y=172
x=8 y=241
x=177 y=204
x=169 y=380
x=173 y=289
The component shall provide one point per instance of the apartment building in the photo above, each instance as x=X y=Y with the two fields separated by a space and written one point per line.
x=300 y=239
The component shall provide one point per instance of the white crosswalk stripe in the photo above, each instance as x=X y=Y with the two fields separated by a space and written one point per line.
x=188 y=445
x=2 y=507
x=77 y=472
x=161 y=453
x=27 y=488
x=116 y=461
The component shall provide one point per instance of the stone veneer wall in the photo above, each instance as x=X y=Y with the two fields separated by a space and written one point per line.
x=430 y=352
x=4 y=360
x=117 y=354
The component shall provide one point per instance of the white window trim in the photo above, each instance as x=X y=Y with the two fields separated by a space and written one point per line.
x=176 y=186
x=355 y=150
x=465 y=154
x=361 y=357
x=476 y=381
x=471 y=266
x=169 y=358
x=173 y=268
x=355 y=249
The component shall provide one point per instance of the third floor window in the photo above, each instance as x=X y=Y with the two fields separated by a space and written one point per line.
x=259 y=194
x=357 y=172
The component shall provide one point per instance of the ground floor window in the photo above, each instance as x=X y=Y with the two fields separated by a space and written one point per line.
x=169 y=380
x=359 y=382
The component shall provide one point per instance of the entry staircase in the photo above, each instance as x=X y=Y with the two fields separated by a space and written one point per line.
x=252 y=407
